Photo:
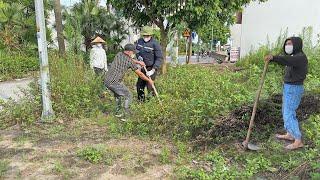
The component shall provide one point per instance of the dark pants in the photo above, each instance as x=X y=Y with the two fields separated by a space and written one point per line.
x=141 y=84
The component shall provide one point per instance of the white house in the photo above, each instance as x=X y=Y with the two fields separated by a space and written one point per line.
x=262 y=21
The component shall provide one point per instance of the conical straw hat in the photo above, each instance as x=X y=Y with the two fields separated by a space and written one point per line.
x=98 y=40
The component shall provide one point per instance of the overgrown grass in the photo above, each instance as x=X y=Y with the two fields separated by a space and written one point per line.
x=75 y=93
x=4 y=166
x=17 y=65
x=193 y=99
x=75 y=89
x=92 y=154
x=272 y=162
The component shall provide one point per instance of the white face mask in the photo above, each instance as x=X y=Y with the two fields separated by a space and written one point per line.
x=99 y=45
x=288 y=49
x=133 y=56
x=147 y=39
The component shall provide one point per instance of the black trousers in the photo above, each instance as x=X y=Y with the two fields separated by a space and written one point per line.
x=141 y=85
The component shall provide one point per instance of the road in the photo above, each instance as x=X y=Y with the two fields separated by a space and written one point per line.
x=193 y=60
x=12 y=89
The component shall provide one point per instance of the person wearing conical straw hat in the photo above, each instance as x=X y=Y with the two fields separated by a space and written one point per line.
x=98 y=57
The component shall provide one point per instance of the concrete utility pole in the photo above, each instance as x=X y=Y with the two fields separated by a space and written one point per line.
x=47 y=112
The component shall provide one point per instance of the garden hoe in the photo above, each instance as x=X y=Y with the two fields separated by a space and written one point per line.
x=153 y=87
x=246 y=143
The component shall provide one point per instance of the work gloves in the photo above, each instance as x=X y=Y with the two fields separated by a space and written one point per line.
x=151 y=72
x=140 y=58
x=148 y=73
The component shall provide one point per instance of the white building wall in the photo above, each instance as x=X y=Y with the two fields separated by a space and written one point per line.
x=265 y=20
x=235 y=31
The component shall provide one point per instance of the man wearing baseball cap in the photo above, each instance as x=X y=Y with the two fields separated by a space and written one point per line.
x=114 y=77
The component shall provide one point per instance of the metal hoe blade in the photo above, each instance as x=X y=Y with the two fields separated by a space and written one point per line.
x=246 y=143
x=250 y=146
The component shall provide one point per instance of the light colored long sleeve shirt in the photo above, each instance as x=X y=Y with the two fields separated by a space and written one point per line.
x=98 y=58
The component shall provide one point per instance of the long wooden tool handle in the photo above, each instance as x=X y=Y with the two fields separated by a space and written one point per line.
x=153 y=87
x=256 y=102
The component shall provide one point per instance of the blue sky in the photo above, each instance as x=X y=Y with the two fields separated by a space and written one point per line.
x=71 y=2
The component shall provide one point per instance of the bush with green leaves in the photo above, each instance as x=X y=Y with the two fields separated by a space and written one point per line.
x=24 y=112
x=17 y=65
x=193 y=97
x=4 y=166
x=312 y=130
x=75 y=92
x=91 y=154
x=75 y=89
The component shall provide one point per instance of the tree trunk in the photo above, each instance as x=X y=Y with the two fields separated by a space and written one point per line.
x=189 y=50
x=59 y=28
x=87 y=43
x=164 y=43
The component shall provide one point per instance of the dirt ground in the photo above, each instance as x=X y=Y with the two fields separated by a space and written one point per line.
x=50 y=152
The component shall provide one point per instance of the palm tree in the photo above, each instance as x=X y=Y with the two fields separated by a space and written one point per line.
x=11 y=23
x=89 y=10
x=72 y=31
x=17 y=23
x=92 y=19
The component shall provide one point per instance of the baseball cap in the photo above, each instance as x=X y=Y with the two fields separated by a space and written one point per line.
x=131 y=47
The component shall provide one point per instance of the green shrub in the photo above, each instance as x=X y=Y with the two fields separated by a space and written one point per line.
x=91 y=154
x=312 y=129
x=110 y=56
x=4 y=166
x=74 y=88
x=74 y=93
x=100 y=154
x=24 y=112
x=192 y=98
x=165 y=155
x=17 y=65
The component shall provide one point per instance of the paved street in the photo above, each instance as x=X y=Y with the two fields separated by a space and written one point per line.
x=12 y=89
x=193 y=60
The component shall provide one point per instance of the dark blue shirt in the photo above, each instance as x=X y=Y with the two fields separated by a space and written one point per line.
x=150 y=52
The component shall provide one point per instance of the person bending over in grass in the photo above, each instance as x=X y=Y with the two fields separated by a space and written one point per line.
x=296 y=69
x=114 y=77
